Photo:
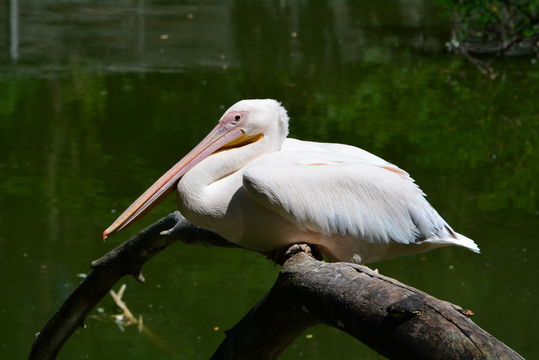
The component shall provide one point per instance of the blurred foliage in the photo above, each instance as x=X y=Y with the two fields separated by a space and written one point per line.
x=464 y=125
x=94 y=111
x=75 y=148
x=428 y=118
x=495 y=26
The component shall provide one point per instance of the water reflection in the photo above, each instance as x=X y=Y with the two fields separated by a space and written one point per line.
x=172 y=36
x=14 y=30
x=115 y=93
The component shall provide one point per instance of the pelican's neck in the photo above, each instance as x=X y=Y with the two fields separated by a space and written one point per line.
x=209 y=185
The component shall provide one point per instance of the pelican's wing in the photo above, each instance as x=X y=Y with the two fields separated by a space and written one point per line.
x=333 y=193
x=346 y=151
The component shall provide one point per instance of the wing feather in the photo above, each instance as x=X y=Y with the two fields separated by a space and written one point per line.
x=336 y=193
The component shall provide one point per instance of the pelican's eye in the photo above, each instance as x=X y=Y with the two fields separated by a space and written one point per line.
x=234 y=118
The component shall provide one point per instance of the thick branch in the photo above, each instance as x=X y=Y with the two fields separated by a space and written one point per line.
x=125 y=259
x=394 y=319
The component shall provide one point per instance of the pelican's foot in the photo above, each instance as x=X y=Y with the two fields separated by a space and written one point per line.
x=280 y=255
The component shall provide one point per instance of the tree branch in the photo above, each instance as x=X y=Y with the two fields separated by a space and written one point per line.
x=125 y=259
x=394 y=319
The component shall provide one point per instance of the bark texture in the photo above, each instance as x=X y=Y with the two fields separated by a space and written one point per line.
x=394 y=319
x=126 y=259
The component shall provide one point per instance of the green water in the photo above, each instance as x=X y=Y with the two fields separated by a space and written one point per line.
x=97 y=100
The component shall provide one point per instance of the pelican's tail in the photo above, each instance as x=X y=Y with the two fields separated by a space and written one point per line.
x=462 y=240
x=454 y=238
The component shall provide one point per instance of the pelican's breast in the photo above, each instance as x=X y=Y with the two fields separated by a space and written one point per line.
x=208 y=205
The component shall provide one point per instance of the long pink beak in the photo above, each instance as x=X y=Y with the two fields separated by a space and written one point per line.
x=219 y=137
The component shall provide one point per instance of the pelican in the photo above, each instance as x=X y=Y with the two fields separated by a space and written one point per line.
x=251 y=184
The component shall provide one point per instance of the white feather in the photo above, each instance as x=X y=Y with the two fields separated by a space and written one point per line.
x=355 y=205
x=336 y=194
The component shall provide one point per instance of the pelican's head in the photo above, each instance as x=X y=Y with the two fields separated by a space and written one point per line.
x=265 y=117
x=244 y=123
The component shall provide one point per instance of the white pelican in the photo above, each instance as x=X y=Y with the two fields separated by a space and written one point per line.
x=249 y=183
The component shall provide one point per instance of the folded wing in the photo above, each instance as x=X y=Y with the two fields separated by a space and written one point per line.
x=347 y=192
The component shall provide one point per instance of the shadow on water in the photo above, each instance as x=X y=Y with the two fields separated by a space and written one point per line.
x=97 y=100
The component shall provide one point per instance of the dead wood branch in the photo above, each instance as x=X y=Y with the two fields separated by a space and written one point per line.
x=394 y=319
x=125 y=259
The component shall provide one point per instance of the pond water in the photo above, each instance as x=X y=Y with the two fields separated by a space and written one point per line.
x=97 y=100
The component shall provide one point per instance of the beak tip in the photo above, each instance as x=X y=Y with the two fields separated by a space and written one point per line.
x=105 y=235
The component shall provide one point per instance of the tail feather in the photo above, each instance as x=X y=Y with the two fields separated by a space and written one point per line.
x=457 y=239
x=467 y=243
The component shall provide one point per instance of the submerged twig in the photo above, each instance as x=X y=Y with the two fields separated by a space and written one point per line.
x=126 y=313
